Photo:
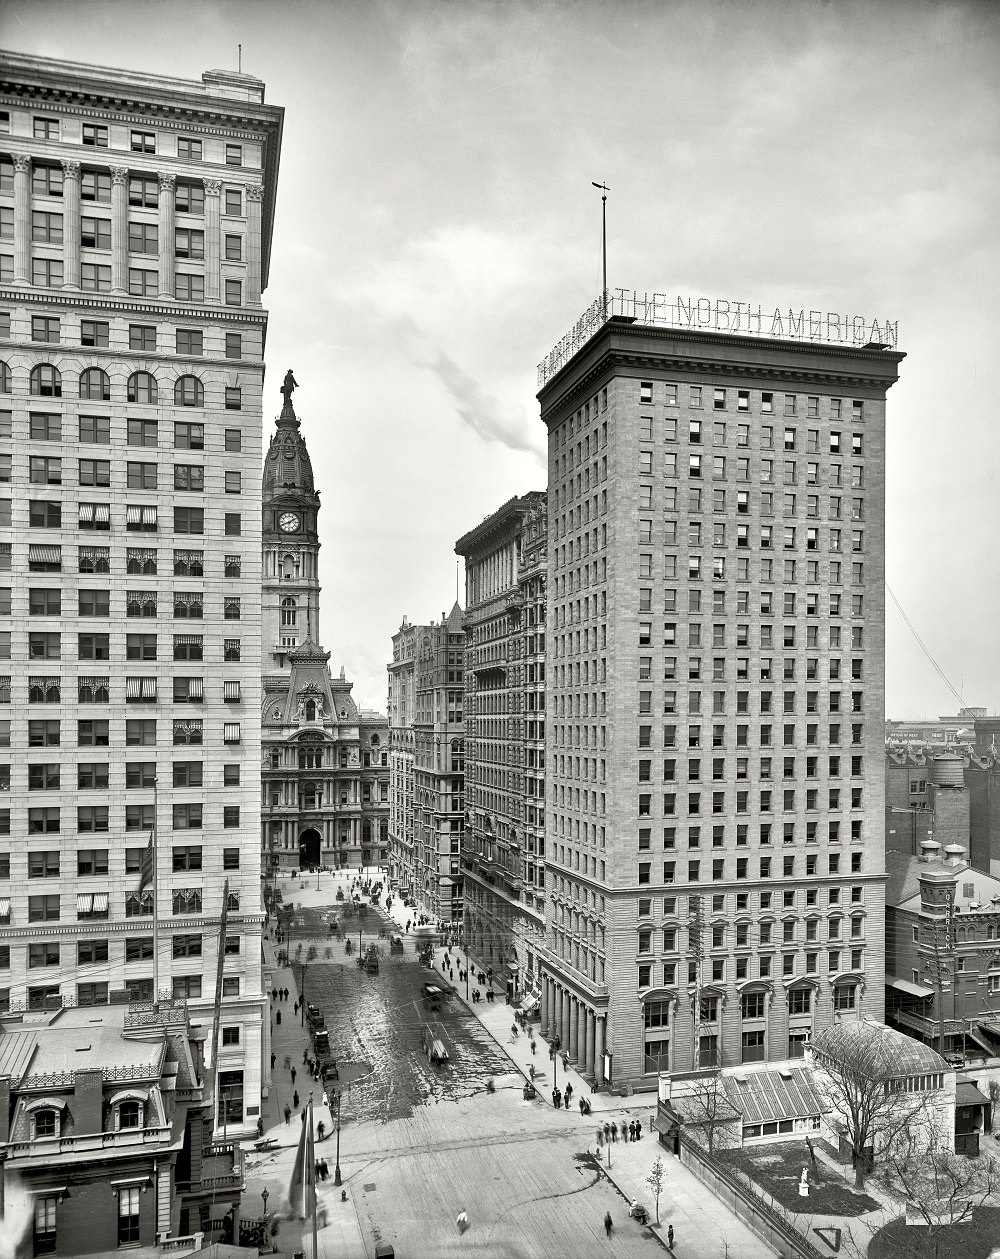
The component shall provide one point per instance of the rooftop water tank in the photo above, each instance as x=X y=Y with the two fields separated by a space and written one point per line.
x=948 y=770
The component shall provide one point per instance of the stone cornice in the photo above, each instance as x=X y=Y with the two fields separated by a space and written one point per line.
x=130 y=305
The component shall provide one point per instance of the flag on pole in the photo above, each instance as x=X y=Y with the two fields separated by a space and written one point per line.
x=302 y=1187
x=146 y=868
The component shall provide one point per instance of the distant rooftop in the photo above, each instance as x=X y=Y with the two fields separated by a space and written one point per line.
x=733 y=318
x=75 y=1039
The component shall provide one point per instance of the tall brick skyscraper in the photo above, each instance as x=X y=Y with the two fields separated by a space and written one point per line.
x=715 y=661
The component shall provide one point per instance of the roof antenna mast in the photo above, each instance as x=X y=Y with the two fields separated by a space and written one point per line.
x=604 y=244
x=239 y=58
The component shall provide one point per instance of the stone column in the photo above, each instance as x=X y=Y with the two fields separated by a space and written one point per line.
x=166 y=234
x=255 y=196
x=564 y=1029
x=213 y=240
x=119 y=229
x=599 y=1048
x=22 y=218
x=71 y=225
x=589 y=1063
x=581 y=1040
x=574 y=1027
x=543 y=1003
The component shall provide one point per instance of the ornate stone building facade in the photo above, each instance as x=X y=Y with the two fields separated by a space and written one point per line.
x=325 y=762
x=503 y=854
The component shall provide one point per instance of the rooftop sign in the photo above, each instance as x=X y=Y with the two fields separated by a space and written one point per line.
x=718 y=315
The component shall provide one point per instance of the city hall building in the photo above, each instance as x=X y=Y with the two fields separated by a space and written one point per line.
x=714 y=673
x=136 y=216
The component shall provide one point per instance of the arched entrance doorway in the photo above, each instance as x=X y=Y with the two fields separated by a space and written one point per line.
x=309 y=848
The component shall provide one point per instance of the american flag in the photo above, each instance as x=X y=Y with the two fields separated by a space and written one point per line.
x=146 y=868
x=302 y=1187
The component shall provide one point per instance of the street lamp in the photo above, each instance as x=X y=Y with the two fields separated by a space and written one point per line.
x=554 y=1055
x=336 y=1173
x=265 y=1195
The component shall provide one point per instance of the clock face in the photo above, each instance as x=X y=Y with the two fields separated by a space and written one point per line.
x=288 y=522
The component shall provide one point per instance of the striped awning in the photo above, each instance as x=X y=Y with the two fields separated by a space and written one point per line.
x=84 y=902
x=101 y=902
x=38 y=554
x=4 y=906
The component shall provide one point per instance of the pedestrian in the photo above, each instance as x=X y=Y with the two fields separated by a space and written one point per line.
x=532 y=1044
x=321 y=1130
x=277 y=1018
x=288 y=1112
x=608 y=1224
x=274 y=994
x=558 y=1099
x=624 y=1131
x=670 y=1236
x=295 y=1008
x=305 y=1056
x=638 y=1129
x=614 y=1133
x=607 y=1133
x=555 y=1104
x=513 y=1031
x=286 y=990
x=318 y=1171
x=325 y=1170
x=260 y=1126
x=293 y=1075
x=273 y=1056
x=569 y=1093
x=600 y=1134
x=295 y=1100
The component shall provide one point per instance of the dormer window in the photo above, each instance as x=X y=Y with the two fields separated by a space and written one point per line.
x=46 y=1123
x=129 y=1115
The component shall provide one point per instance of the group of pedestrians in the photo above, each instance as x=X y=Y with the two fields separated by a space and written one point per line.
x=609 y=1133
x=322 y=1171
x=279 y=994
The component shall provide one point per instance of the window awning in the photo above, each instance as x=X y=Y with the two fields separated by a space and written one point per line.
x=44 y=554
x=84 y=902
x=911 y=989
x=4 y=906
x=662 y=1125
x=967 y=1094
x=101 y=902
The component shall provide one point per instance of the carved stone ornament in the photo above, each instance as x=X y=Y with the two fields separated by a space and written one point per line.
x=255 y=192
x=213 y=187
x=22 y=162
x=71 y=170
x=119 y=174
x=166 y=180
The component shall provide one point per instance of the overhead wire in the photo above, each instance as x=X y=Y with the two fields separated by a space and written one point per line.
x=924 y=648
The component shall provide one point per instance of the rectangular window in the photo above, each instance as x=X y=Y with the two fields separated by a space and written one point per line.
x=189 y=149
x=190 y=288
x=234 y=253
x=142 y=283
x=234 y=292
x=190 y=197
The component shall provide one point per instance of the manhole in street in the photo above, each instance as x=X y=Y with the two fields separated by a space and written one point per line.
x=370 y=1187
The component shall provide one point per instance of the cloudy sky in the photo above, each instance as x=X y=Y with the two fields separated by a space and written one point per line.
x=437 y=232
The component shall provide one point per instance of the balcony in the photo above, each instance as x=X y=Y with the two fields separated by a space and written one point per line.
x=928 y=1026
x=222 y=1171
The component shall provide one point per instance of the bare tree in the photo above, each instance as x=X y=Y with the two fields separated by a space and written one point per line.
x=942 y=1187
x=656 y=1180
x=705 y=1104
x=863 y=1078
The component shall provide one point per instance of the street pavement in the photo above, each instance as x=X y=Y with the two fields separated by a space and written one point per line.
x=533 y=1180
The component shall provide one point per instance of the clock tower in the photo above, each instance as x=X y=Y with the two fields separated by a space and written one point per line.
x=290 y=612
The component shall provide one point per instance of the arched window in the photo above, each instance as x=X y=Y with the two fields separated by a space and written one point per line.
x=288 y=607
x=310 y=710
x=289 y=567
x=95 y=384
x=142 y=387
x=188 y=392
x=6 y=379
x=45 y=381
x=311 y=798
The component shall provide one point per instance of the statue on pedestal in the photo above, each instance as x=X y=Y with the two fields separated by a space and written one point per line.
x=290 y=384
